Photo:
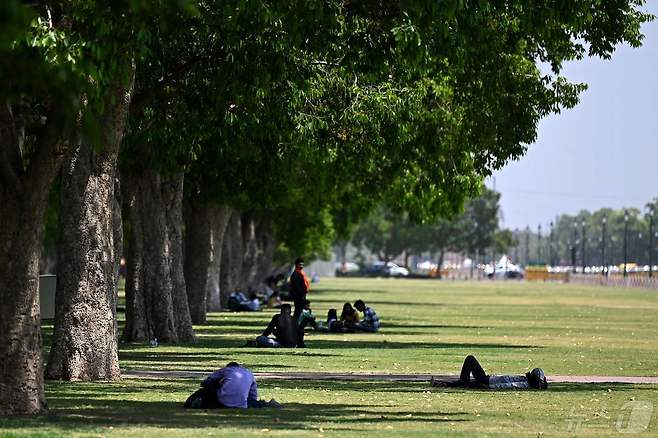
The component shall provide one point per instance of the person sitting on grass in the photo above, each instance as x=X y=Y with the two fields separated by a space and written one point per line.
x=535 y=379
x=230 y=387
x=307 y=317
x=349 y=317
x=333 y=324
x=284 y=328
x=370 y=322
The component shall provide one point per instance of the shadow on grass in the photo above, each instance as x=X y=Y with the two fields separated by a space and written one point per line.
x=359 y=343
x=86 y=408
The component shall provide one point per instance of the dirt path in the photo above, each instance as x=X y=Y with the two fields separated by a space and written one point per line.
x=134 y=374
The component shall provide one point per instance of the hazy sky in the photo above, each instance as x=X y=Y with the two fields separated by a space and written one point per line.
x=603 y=153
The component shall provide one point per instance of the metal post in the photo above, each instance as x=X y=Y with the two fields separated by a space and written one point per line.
x=582 y=256
x=539 y=261
x=573 y=248
x=604 y=267
x=550 y=247
x=527 y=246
x=625 y=243
x=651 y=212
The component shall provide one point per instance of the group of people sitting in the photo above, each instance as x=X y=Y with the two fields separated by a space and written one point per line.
x=286 y=330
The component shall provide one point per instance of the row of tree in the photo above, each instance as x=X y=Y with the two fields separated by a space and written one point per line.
x=199 y=138
x=474 y=231
x=563 y=242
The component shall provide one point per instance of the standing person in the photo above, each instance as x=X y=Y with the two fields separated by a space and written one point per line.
x=299 y=287
x=284 y=328
x=230 y=387
x=370 y=322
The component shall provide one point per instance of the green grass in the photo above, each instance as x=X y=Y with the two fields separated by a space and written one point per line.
x=428 y=326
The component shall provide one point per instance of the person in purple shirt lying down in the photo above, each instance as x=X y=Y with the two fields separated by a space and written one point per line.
x=230 y=387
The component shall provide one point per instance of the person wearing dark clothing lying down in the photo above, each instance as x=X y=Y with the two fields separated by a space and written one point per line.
x=535 y=379
x=230 y=387
x=284 y=328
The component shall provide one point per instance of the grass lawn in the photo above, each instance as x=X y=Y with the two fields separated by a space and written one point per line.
x=428 y=326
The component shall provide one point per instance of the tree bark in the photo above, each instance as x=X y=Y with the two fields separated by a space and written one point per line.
x=232 y=253
x=173 y=194
x=156 y=298
x=219 y=217
x=85 y=333
x=250 y=252
x=21 y=375
x=197 y=257
x=24 y=198
x=266 y=248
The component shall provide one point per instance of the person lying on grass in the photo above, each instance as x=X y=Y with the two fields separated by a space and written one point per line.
x=370 y=322
x=230 y=387
x=535 y=379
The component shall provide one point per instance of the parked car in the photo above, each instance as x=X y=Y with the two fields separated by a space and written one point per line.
x=381 y=269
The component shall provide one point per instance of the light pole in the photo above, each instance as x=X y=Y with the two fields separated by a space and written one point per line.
x=582 y=256
x=625 y=243
x=651 y=213
x=539 y=244
x=550 y=246
x=527 y=246
x=575 y=244
x=604 y=223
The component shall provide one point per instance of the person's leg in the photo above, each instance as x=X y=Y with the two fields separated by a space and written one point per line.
x=472 y=366
x=299 y=306
x=365 y=328
x=266 y=341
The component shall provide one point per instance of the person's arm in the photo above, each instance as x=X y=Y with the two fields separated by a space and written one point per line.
x=271 y=326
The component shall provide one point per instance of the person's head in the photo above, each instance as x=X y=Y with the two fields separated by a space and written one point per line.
x=332 y=314
x=537 y=379
x=347 y=308
x=232 y=364
x=299 y=263
x=286 y=309
x=360 y=305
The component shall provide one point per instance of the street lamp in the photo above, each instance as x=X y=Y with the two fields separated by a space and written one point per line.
x=651 y=213
x=550 y=246
x=604 y=223
x=582 y=225
x=527 y=245
x=574 y=246
x=539 y=244
x=625 y=243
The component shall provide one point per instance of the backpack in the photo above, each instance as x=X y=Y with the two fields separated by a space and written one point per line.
x=537 y=379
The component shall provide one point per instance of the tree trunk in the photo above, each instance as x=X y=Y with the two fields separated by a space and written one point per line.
x=137 y=324
x=219 y=217
x=442 y=253
x=156 y=300
x=250 y=252
x=232 y=253
x=266 y=248
x=21 y=374
x=24 y=196
x=85 y=333
x=173 y=196
x=197 y=257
